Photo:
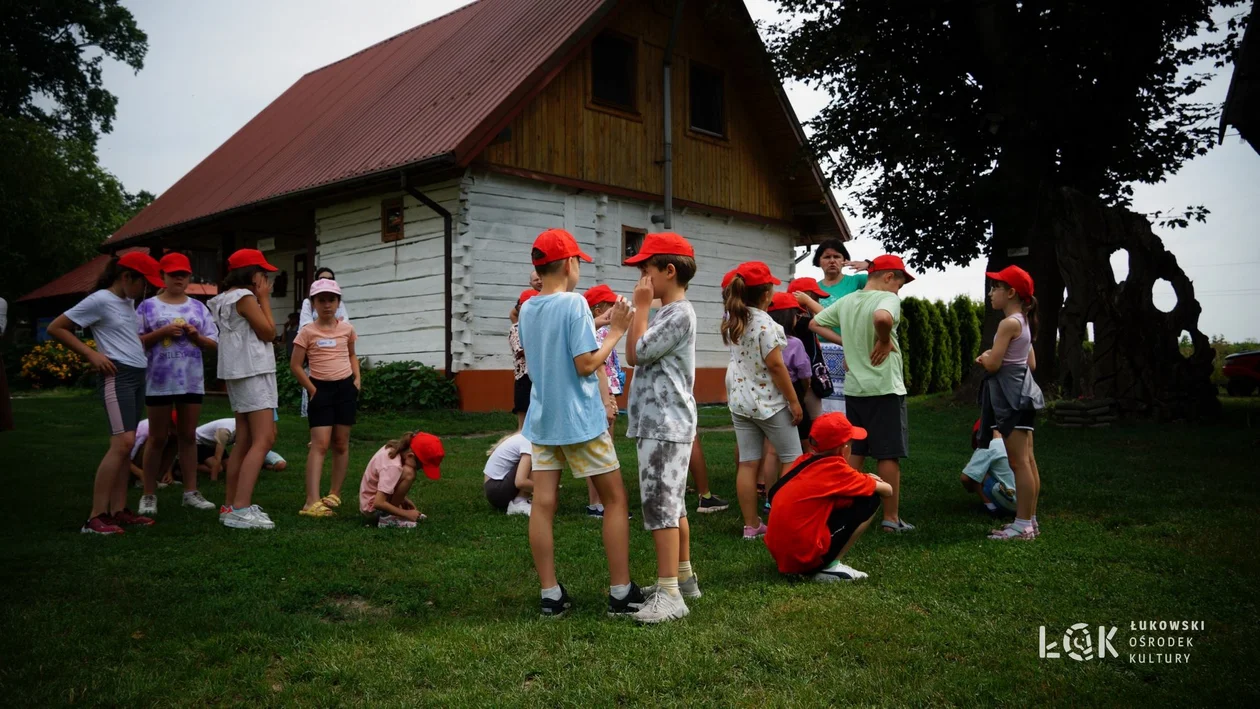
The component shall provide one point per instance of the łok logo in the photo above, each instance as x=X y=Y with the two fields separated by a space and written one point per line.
x=1079 y=644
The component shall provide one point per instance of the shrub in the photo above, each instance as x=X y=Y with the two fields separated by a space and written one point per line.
x=968 y=333
x=954 y=338
x=408 y=386
x=52 y=364
x=943 y=354
x=922 y=347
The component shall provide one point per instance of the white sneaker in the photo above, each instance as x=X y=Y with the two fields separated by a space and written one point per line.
x=839 y=572
x=248 y=518
x=392 y=521
x=661 y=607
x=520 y=506
x=689 y=588
x=148 y=505
x=195 y=499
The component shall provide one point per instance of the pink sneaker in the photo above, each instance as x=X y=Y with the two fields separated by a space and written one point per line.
x=131 y=519
x=101 y=524
x=751 y=533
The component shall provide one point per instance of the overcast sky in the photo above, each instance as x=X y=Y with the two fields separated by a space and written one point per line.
x=213 y=65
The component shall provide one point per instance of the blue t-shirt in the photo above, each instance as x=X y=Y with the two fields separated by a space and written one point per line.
x=563 y=408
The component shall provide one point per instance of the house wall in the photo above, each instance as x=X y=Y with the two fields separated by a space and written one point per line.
x=499 y=219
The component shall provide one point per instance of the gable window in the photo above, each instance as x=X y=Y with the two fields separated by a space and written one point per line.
x=614 y=71
x=631 y=241
x=708 y=100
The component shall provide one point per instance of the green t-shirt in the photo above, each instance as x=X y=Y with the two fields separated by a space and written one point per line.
x=855 y=315
x=849 y=284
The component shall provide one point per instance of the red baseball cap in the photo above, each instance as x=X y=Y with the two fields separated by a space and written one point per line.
x=557 y=244
x=1016 y=278
x=888 y=262
x=143 y=264
x=783 y=301
x=248 y=257
x=175 y=263
x=526 y=295
x=754 y=273
x=730 y=276
x=807 y=285
x=833 y=430
x=666 y=243
x=428 y=449
x=599 y=294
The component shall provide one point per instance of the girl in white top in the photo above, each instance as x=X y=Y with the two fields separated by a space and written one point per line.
x=247 y=365
x=508 y=484
x=759 y=389
x=307 y=316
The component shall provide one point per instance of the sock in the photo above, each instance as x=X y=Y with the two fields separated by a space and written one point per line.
x=1034 y=519
x=599 y=506
x=521 y=498
x=684 y=571
x=620 y=591
x=668 y=585
x=990 y=506
x=552 y=593
x=1022 y=524
x=706 y=495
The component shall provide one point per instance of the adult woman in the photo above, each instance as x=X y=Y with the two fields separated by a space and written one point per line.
x=307 y=315
x=832 y=257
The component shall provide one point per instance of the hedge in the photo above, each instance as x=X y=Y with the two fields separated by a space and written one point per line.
x=395 y=386
x=938 y=341
x=968 y=332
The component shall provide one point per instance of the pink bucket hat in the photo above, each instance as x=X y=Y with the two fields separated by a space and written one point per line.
x=325 y=285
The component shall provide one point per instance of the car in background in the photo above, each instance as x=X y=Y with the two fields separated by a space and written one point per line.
x=1243 y=371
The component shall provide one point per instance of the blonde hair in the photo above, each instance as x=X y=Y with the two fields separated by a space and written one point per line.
x=490 y=451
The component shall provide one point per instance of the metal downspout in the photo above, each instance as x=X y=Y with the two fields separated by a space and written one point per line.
x=668 y=104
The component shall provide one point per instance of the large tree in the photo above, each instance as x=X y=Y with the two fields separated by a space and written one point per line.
x=959 y=120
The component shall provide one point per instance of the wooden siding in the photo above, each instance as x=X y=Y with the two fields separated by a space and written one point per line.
x=561 y=133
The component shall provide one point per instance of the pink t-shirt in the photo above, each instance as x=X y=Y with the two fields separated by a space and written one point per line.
x=327 y=351
x=382 y=475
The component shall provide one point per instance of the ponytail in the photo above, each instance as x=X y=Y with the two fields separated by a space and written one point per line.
x=400 y=445
x=1030 y=314
x=113 y=272
x=737 y=299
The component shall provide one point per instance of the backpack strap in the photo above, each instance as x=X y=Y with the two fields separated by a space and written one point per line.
x=789 y=475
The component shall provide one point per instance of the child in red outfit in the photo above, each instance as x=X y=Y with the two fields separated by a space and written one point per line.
x=822 y=505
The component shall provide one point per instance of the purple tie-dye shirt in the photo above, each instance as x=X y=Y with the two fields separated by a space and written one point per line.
x=175 y=365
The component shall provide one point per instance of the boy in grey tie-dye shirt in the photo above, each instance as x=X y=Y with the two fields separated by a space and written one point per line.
x=663 y=415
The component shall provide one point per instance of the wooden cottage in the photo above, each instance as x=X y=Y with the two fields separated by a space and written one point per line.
x=422 y=168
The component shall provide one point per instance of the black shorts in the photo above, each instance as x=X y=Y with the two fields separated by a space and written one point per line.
x=334 y=403
x=173 y=399
x=887 y=426
x=204 y=452
x=843 y=522
x=520 y=394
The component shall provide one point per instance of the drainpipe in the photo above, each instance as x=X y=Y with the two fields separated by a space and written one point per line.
x=447 y=245
x=669 y=115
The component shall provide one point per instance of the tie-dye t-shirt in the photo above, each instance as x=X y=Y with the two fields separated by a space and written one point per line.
x=175 y=365
x=662 y=405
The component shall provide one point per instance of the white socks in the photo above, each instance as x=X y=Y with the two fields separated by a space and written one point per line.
x=668 y=585
x=620 y=591
x=552 y=593
x=684 y=571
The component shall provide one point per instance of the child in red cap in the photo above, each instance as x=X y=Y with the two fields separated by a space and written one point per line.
x=520 y=371
x=601 y=300
x=568 y=417
x=759 y=390
x=390 y=474
x=174 y=330
x=247 y=365
x=874 y=390
x=110 y=311
x=1009 y=397
x=822 y=505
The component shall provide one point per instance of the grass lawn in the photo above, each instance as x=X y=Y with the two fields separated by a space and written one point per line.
x=1140 y=522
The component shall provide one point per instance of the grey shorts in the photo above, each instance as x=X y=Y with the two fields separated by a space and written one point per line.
x=887 y=426
x=751 y=433
x=663 y=482
x=123 y=397
x=500 y=492
x=254 y=393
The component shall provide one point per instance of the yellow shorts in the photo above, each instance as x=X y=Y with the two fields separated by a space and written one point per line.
x=594 y=457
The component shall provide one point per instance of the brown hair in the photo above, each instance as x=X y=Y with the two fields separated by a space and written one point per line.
x=684 y=266
x=1028 y=307
x=876 y=274
x=113 y=272
x=738 y=298
x=400 y=445
x=549 y=268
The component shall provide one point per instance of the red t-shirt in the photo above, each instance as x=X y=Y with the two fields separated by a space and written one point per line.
x=798 y=536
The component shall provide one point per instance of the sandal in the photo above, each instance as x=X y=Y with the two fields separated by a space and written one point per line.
x=1012 y=532
x=898 y=526
x=317 y=510
x=331 y=501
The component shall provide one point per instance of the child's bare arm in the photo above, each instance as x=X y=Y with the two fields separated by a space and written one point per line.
x=258 y=315
x=813 y=306
x=991 y=359
x=883 y=489
x=524 y=468
x=296 y=365
x=354 y=366
x=826 y=333
x=383 y=504
x=1032 y=359
x=588 y=363
x=61 y=330
x=883 y=337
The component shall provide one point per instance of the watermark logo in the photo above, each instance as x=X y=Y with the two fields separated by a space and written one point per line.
x=1078 y=643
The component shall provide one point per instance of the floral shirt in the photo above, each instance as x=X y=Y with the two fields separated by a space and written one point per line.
x=518 y=353
x=612 y=365
x=750 y=392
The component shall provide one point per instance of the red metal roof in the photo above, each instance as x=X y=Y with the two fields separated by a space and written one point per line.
x=82 y=280
x=434 y=90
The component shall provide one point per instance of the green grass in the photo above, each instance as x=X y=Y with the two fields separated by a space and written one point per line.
x=1139 y=522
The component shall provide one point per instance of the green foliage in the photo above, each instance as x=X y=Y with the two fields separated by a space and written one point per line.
x=964 y=311
x=954 y=338
x=943 y=354
x=922 y=344
x=903 y=341
x=395 y=386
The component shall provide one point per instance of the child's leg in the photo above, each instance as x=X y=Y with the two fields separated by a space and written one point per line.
x=115 y=459
x=890 y=471
x=232 y=469
x=767 y=474
x=616 y=525
x=541 y=518
x=159 y=429
x=520 y=421
x=321 y=439
x=261 y=436
x=684 y=541
x=121 y=473
x=592 y=494
x=341 y=458
x=698 y=469
x=1025 y=485
x=749 y=442
x=187 y=434
x=853 y=539
x=1036 y=475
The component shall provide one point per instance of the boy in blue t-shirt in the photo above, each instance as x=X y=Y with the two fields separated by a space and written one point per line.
x=568 y=417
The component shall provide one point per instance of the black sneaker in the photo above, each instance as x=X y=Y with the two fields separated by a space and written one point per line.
x=711 y=504
x=593 y=511
x=629 y=605
x=555 y=609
